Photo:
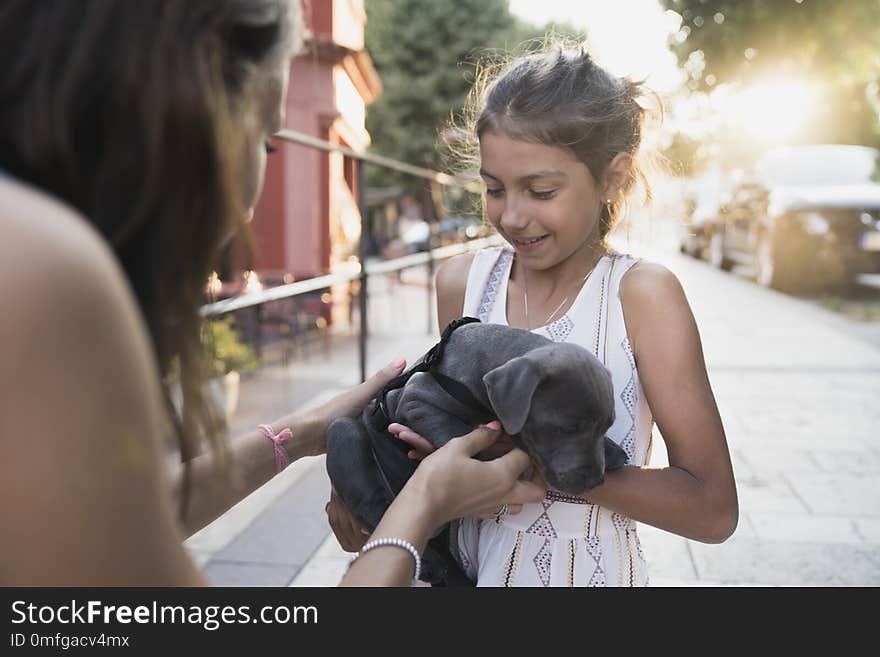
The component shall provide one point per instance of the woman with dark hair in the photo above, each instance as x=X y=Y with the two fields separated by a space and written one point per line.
x=132 y=146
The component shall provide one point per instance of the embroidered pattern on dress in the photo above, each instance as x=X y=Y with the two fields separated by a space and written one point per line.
x=591 y=528
x=512 y=562
x=560 y=329
x=493 y=284
x=622 y=524
x=630 y=397
x=599 y=319
x=594 y=549
x=572 y=552
x=542 y=563
x=629 y=558
x=543 y=526
x=608 y=277
x=556 y=496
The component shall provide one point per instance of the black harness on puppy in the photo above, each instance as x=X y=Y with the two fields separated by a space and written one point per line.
x=455 y=389
x=443 y=569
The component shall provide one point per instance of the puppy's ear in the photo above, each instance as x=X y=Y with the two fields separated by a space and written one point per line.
x=510 y=388
x=615 y=456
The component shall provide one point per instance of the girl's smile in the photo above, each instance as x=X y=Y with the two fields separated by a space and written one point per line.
x=525 y=245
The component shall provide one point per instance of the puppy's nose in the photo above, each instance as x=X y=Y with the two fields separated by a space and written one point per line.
x=576 y=481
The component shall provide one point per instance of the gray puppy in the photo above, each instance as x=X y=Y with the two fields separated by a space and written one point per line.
x=555 y=400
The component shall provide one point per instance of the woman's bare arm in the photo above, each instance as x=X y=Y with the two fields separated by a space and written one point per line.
x=254 y=456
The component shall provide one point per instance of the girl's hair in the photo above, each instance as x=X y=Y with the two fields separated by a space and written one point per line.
x=559 y=96
x=131 y=112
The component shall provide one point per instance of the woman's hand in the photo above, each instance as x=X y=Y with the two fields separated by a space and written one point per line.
x=348 y=531
x=448 y=484
x=454 y=484
x=351 y=402
x=421 y=448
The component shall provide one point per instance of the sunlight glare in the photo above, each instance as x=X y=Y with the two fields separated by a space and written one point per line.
x=771 y=111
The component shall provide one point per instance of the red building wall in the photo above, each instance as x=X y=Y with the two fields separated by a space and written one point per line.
x=305 y=196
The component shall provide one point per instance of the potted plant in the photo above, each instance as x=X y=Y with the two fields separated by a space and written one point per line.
x=230 y=357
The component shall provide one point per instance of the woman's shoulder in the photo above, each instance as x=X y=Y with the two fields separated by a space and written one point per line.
x=43 y=238
x=62 y=280
x=75 y=324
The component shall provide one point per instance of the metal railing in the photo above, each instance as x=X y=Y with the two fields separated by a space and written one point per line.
x=361 y=271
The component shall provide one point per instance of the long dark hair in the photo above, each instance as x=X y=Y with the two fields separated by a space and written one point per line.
x=131 y=112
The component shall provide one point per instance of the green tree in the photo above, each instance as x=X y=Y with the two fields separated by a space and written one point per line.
x=739 y=41
x=425 y=53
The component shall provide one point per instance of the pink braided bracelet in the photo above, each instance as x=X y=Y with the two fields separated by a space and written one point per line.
x=282 y=458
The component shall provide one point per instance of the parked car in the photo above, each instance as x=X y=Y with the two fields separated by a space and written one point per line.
x=805 y=217
x=702 y=199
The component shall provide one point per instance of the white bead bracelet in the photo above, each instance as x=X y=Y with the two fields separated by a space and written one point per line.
x=396 y=542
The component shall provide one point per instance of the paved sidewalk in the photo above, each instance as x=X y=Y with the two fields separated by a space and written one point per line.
x=797 y=388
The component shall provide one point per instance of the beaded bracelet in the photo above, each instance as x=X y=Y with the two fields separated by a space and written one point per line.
x=396 y=542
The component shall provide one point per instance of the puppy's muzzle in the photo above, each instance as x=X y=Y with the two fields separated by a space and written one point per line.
x=576 y=481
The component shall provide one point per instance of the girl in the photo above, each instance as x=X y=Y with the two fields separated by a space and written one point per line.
x=558 y=139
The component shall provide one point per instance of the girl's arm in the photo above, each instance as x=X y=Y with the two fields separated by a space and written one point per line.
x=695 y=496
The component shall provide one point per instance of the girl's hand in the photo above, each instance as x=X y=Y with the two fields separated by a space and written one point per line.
x=421 y=447
x=348 y=531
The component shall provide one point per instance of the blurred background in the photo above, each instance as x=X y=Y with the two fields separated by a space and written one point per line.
x=766 y=182
x=749 y=90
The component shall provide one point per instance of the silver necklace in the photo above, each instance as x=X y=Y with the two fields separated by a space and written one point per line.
x=561 y=305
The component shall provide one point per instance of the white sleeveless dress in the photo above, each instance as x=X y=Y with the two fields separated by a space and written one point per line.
x=564 y=540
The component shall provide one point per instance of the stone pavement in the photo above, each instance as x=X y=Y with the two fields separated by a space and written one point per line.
x=797 y=387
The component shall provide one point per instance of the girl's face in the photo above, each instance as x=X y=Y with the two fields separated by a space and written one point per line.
x=541 y=199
